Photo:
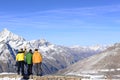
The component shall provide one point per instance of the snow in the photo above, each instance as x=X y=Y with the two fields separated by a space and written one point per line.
x=44 y=48
x=1 y=45
x=104 y=70
x=8 y=37
x=93 y=47
x=89 y=71
x=6 y=78
x=6 y=73
x=51 y=58
x=118 y=69
x=95 y=74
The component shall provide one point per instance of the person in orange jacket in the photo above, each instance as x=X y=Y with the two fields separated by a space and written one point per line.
x=37 y=62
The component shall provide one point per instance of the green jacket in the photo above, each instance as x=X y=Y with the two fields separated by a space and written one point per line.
x=29 y=58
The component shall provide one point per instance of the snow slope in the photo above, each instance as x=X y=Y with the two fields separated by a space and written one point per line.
x=103 y=65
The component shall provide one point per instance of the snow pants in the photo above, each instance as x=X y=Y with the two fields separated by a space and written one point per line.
x=37 y=69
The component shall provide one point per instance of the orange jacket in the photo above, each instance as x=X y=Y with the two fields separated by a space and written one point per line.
x=37 y=57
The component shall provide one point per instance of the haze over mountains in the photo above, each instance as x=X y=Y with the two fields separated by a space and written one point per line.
x=55 y=57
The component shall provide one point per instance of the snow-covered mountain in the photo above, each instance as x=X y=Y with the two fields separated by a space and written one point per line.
x=105 y=64
x=55 y=57
x=10 y=38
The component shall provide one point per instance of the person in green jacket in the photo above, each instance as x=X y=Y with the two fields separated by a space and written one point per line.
x=29 y=62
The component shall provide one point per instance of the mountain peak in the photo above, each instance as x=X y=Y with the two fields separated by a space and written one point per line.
x=5 y=32
x=6 y=36
x=43 y=40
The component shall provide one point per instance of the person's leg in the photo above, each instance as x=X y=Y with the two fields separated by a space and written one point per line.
x=35 y=69
x=30 y=69
x=40 y=69
x=22 y=66
x=18 y=68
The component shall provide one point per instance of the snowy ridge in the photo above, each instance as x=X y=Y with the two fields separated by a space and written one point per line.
x=94 y=47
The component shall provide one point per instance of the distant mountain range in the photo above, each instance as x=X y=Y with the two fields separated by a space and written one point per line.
x=55 y=57
x=104 y=64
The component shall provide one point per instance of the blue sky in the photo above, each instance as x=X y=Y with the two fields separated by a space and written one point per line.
x=63 y=22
